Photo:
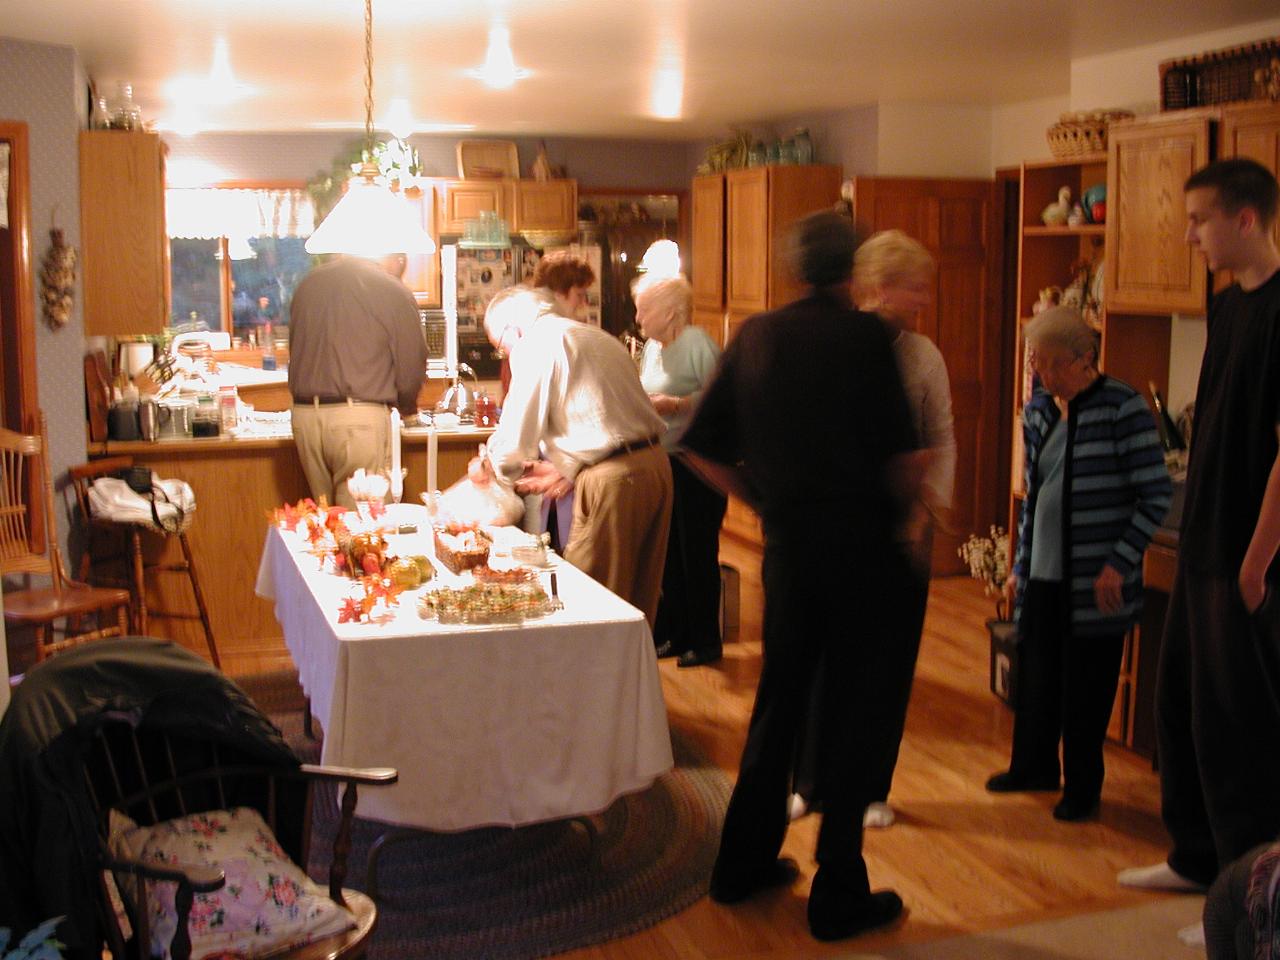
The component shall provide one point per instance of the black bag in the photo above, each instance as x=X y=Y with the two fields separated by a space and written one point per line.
x=142 y=482
x=137 y=478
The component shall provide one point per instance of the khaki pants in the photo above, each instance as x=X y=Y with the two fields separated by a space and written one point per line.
x=337 y=439
x=621 y=518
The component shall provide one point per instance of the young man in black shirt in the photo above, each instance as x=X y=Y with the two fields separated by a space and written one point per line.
x=1217 y=707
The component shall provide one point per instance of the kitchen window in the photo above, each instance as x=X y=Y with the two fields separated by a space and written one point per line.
x=236 y=255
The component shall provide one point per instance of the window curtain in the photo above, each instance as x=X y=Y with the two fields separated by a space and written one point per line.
x=208 y=213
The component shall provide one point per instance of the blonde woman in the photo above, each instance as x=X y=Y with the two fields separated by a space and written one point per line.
x=677 y=362
x=894 y=277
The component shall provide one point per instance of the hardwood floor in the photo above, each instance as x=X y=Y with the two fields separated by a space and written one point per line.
x=962 y=859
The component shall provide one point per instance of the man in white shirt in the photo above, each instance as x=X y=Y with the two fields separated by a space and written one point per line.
x=576 y=399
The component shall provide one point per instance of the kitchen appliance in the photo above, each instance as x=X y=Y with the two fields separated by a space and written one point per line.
x=148 y=417
x=175 y=417
x=459 y=399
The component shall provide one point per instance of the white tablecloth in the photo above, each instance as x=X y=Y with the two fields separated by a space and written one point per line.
x=488 y=725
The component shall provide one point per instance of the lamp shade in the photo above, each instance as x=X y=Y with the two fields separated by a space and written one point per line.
x=371 y=221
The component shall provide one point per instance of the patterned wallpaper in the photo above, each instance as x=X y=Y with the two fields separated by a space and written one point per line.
x=42 y=86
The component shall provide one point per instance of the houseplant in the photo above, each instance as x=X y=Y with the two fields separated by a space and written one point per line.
x=988 y=560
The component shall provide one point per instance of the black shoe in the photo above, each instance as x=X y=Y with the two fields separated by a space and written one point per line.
x=781 y=873
x=1009 y=782
x=858 y=916
x=1072 y=810
x=664 y=650
x=698 y=658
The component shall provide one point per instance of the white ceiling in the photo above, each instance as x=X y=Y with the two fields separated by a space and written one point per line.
x=594 y=63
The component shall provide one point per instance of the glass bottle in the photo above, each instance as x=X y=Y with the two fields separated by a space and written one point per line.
x=127 y=115
x=803 y=145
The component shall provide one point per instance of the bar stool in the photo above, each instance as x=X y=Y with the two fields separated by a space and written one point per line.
x=98 y=528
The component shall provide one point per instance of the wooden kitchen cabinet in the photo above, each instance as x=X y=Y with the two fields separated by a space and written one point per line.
x=761 y=205
x=544 y=205
x=422 y=273
x=124 y=250
x=707 y=245
x=1150 y=268
x=461 y=200
x=524 y=204
x=1252 y=131
x=740 y=222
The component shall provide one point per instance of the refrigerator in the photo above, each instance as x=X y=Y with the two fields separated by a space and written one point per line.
x=472 y=276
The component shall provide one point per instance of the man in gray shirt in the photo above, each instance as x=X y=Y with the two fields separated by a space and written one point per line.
x=355 y=349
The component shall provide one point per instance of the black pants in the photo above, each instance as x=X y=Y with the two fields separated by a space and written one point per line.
x=905 y=652
x=689 y=608
x=1217 y=723
x=847 y=616
x=1066 y=691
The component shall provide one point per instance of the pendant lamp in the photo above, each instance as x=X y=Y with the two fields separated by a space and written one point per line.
x=370 y=220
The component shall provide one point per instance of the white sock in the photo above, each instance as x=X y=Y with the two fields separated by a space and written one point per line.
x=878 y=815
x=1158 y=876
x=797 y=807
x=1192 y=935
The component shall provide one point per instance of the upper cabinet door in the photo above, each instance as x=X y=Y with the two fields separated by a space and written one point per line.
x=708 y=242
x=545 y=205
x=747 y=247
x=1253 y=132
x=422 y=273
x=124 y=248
x=462 y=200
x=1150 y=268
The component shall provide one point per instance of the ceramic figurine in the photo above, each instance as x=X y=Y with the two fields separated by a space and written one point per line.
x=1049 y=297
x=1055 y=214
x=1076 y=217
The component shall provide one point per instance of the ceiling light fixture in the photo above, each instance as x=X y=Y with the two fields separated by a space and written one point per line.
x=370 y=220
x=499 y=70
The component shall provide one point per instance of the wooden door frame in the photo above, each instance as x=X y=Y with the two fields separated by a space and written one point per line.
x=17 y=320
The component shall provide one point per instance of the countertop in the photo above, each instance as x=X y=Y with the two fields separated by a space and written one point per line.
x=414 y=436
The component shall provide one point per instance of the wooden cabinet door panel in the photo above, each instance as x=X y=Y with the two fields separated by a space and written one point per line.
x=1253 y=132
x=462 y=200
x=747 y=240
x=124 y=248
x=712 y=321
x=545 y=205
x=1150 y=268
x=794 y=193
x=708 y=242
x=422 y=273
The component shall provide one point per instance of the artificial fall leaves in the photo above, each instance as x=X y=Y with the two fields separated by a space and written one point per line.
x=323 y=526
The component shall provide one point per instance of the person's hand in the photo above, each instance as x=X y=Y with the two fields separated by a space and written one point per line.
x=1253 y=588
x=1108 y=590
x=1010 y=594
x=665 y=404
x=541 y=477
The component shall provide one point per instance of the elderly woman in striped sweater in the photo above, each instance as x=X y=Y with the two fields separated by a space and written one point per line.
x=1096 y=489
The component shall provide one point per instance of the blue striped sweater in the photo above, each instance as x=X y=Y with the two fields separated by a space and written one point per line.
x=1116 y=490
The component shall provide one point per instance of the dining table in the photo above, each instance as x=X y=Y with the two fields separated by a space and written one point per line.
x=499 y=724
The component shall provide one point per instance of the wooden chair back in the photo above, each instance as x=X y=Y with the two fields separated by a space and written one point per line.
x=64 y=601
x=21 y=456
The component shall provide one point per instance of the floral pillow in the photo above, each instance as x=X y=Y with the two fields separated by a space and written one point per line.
x=267 y=905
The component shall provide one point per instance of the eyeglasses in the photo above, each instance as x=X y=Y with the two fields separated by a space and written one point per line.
x=1051 y=361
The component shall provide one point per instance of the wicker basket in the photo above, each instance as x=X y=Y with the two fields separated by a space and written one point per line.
x=1082 y=134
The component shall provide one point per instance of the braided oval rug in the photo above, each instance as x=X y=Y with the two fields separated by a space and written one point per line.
x=535 y=891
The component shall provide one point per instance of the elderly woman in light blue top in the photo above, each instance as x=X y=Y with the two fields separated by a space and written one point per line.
x=677 y=362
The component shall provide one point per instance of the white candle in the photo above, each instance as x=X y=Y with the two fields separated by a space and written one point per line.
x=397 y=477
x=431 y=459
